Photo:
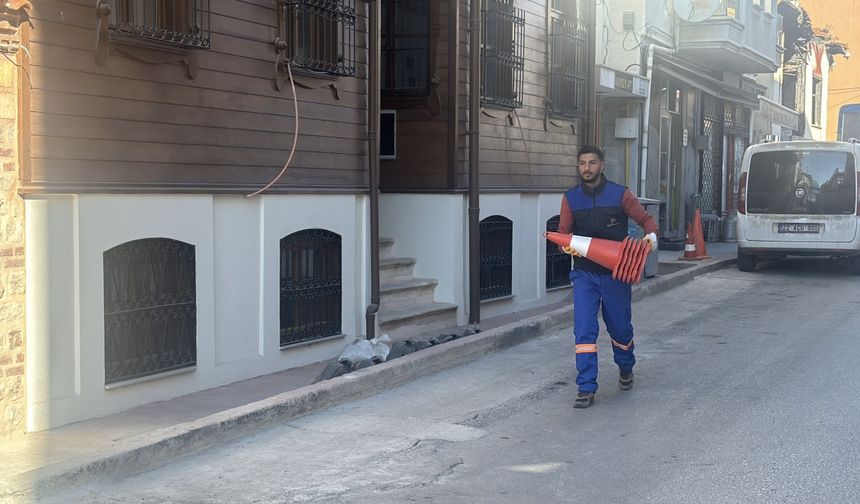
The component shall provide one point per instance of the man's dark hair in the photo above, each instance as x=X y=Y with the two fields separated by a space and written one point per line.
x=590 y=149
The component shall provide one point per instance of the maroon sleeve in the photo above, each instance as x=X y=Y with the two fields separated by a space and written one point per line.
x=635 y=211
x=565 y=218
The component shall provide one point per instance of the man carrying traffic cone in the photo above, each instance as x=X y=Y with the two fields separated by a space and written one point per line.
x=599 y=208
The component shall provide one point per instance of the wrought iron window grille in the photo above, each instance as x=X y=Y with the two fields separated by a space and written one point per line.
x=496 y=250
x=319 y=34
x=179 y=23
x=736 y=117
x=310 y=286
x=405 y=48
x=710 y=170
x=568 y=68
x=557 y=262
x=502 y=54
x=150 y=308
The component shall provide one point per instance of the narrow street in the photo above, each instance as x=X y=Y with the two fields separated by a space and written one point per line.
x=745 y=393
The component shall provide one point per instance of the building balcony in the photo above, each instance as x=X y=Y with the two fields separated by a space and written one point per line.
x=740 y=40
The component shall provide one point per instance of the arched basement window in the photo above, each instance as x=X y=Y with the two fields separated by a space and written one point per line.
x=311 y=286
x=150 y=308
x=496 y=256
x=557 y=262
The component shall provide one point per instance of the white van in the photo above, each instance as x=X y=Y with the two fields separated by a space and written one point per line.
x=799 y=199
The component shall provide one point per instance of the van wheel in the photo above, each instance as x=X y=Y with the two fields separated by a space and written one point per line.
x=746 y=262
x=855 y=265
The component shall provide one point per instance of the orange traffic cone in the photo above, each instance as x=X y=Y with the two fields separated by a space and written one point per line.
x=694 y=247
x=626 y=259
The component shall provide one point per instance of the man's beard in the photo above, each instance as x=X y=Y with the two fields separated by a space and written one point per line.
x=594 y=177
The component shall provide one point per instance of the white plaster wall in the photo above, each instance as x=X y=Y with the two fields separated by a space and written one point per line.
x=529 y=213
x=282 y=216
x=772 y=83
x=816 y=132
x=549 y=205
x=53 y=330
x=622 y=155
x=760 y=29
x=659 y=20
x=825 y=94
x=617 y=47
x=433 y=229
x=237 y=247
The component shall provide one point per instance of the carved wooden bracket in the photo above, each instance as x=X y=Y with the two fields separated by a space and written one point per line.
x=434 y=102
x=160 y=56
x=153 y=55
x=102 y=12
x=302 y=80
x=310 y=82
x=280 y=61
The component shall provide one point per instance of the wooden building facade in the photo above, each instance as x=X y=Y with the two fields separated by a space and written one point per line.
x=535 y=80
x=196 y=176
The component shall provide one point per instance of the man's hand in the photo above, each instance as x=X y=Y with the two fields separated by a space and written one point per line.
x=568 y=250
x=651 y=238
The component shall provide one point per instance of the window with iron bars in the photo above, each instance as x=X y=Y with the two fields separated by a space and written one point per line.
x=496 y=250
x=568 y=63
x=310 y=285
x=405 y=48
x=502 y=54
x=182 y=23
x=557 y=262
x=320 y=34
x=150 y=310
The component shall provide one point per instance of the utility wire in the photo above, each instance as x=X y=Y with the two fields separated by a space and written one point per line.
x=27 y=52
x=847 y=100
x=295 y=135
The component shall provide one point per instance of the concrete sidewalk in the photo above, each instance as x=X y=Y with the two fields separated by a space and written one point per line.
x=152 y=435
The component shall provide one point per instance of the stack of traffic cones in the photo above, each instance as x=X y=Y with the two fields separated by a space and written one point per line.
x=694 y=248
x=626 y=259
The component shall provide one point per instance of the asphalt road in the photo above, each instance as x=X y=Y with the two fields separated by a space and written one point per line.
x=746 y=392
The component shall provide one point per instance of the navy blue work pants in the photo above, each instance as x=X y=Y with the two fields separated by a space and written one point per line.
x=591 y=291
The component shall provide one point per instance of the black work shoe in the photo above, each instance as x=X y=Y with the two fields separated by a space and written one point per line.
x=625 y=380
x=583 y=400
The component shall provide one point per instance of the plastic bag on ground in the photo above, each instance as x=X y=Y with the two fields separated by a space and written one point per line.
x=362 y=349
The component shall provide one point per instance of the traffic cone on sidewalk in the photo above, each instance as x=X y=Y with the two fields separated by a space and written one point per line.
x=694 y=247
x=626 y=259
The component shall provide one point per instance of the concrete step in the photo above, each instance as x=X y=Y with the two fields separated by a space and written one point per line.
x=401 y=294
x=386 y=248
x=395 y=269
x=403 y=323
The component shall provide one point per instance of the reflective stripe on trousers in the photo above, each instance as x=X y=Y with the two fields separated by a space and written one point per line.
x=591 y=291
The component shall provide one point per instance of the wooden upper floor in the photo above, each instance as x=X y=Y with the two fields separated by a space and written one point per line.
x=194 y=95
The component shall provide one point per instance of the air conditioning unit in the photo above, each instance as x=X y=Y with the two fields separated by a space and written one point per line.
x=388 y=134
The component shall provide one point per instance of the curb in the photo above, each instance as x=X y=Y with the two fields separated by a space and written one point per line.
x=154 y=449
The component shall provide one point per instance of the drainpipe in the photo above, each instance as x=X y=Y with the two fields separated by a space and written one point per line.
x=474 y=161
x=646 y=122
x=591 y=119
x=453 y=88
x=646 y=115
x=373 y=111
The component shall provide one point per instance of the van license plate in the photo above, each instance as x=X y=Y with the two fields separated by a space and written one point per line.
x=792 y=227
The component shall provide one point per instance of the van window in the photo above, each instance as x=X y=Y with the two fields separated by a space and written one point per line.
x=801 y=182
